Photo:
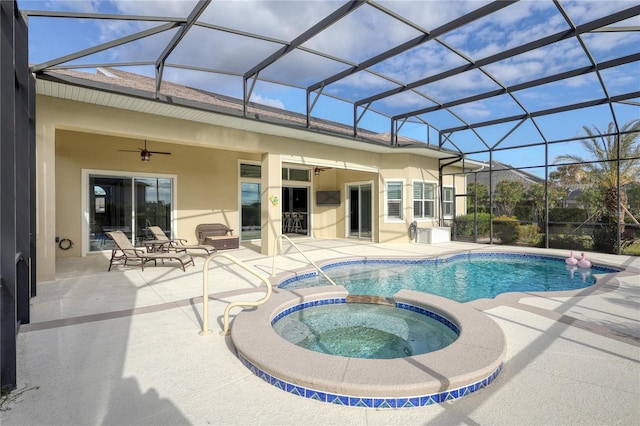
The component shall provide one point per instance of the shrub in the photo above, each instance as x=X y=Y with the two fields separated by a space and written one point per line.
x=524 y=213
x=464 y=224
x=528 y=234
x=567 y=237
x=632 y=250
x=605 y=238
x=506 y=228
x=566 y=214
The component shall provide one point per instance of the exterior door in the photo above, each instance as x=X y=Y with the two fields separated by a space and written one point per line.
x=295 y=210
x=360 y=210
x=129 y=204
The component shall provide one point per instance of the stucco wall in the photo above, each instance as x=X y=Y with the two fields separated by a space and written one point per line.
x=201 y=174
x=72 y=136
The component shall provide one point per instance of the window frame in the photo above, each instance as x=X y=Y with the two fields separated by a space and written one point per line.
x=86 y=174
x=432 y=201
x=400 y=201
x=451 y=202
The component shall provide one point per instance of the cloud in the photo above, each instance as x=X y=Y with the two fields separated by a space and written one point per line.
x=276 y=103
x=475 y=111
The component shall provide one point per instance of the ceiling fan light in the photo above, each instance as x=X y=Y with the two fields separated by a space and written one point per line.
x=145 y=156
x=316 y=171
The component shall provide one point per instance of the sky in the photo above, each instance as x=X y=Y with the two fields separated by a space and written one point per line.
x=367 y=32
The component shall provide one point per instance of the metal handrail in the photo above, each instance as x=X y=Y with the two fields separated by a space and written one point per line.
x=275 y=252
x=205 y=293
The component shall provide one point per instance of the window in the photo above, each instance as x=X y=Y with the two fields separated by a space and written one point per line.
x=394 y=200
x=447 y=202
x=250 y=170
x=302 y=175
x=250 y=202
x=424 y=200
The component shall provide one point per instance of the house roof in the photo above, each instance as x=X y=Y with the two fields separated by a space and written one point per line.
x=198 y=105
x=501 y=171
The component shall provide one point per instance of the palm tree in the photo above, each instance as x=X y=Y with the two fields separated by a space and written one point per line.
x=601 y=167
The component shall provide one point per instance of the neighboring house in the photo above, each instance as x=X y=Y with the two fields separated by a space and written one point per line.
x=260 y=177
x=573 y=195
x=501 y=172
x=490 y=176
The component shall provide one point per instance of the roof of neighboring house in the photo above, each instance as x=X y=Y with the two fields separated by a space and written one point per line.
x=501 y=171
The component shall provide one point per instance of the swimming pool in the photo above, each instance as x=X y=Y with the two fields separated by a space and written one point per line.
x=461 y=277
x=470 y=363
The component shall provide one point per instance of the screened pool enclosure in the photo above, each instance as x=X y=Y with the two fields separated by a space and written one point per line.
x=542 y=95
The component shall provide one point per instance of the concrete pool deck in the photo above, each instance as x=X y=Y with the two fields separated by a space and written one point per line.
x=122 y=347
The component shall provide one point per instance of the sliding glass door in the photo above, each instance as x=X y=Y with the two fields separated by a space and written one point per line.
x=129 y=204
x=360 y=212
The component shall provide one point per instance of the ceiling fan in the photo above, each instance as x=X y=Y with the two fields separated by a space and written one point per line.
x=145 y=154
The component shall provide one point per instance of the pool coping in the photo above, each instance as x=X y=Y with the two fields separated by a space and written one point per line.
x=470 y=363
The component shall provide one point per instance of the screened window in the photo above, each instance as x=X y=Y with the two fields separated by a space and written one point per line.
x=394 y=200
x=424 y=200
x=447 y=201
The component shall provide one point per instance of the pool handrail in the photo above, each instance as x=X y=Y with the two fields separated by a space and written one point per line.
x=205 y=293
x=275 y=252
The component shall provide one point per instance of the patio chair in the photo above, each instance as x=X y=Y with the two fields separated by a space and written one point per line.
x=176 y=244
x=126 y=252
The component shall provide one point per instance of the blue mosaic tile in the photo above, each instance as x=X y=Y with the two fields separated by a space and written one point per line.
x=342 y=400
x=429 y=400
x=295 y=308
x=317 y=396
x=369 y=402
x=382 y=403
x=297 y=391
x=429 y=314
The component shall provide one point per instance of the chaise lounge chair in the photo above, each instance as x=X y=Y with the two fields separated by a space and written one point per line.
x=177 y=244
x=126 y=252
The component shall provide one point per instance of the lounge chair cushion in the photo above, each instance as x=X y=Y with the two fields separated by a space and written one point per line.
x=218 y=235
x=176 y=244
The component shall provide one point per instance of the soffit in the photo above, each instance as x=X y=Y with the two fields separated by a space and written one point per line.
x=57 y=89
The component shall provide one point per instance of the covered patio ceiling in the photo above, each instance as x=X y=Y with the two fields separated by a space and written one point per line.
x=462 y=76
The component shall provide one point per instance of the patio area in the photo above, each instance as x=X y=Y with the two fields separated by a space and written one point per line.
x=122 y=347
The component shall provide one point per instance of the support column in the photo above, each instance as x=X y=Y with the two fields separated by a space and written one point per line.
x=46 y=198
x=271 y=214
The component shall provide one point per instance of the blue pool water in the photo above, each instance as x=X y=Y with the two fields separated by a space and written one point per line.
x=462 y=278
x=360 y=330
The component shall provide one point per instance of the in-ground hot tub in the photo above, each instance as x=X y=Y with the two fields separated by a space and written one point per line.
x=468 y=364
x=365 y=327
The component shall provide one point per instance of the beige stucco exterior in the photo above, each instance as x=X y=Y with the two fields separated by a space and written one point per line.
x=76 y=137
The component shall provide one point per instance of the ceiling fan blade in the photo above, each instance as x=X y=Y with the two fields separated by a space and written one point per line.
x=129 y=150
x=159 y=152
